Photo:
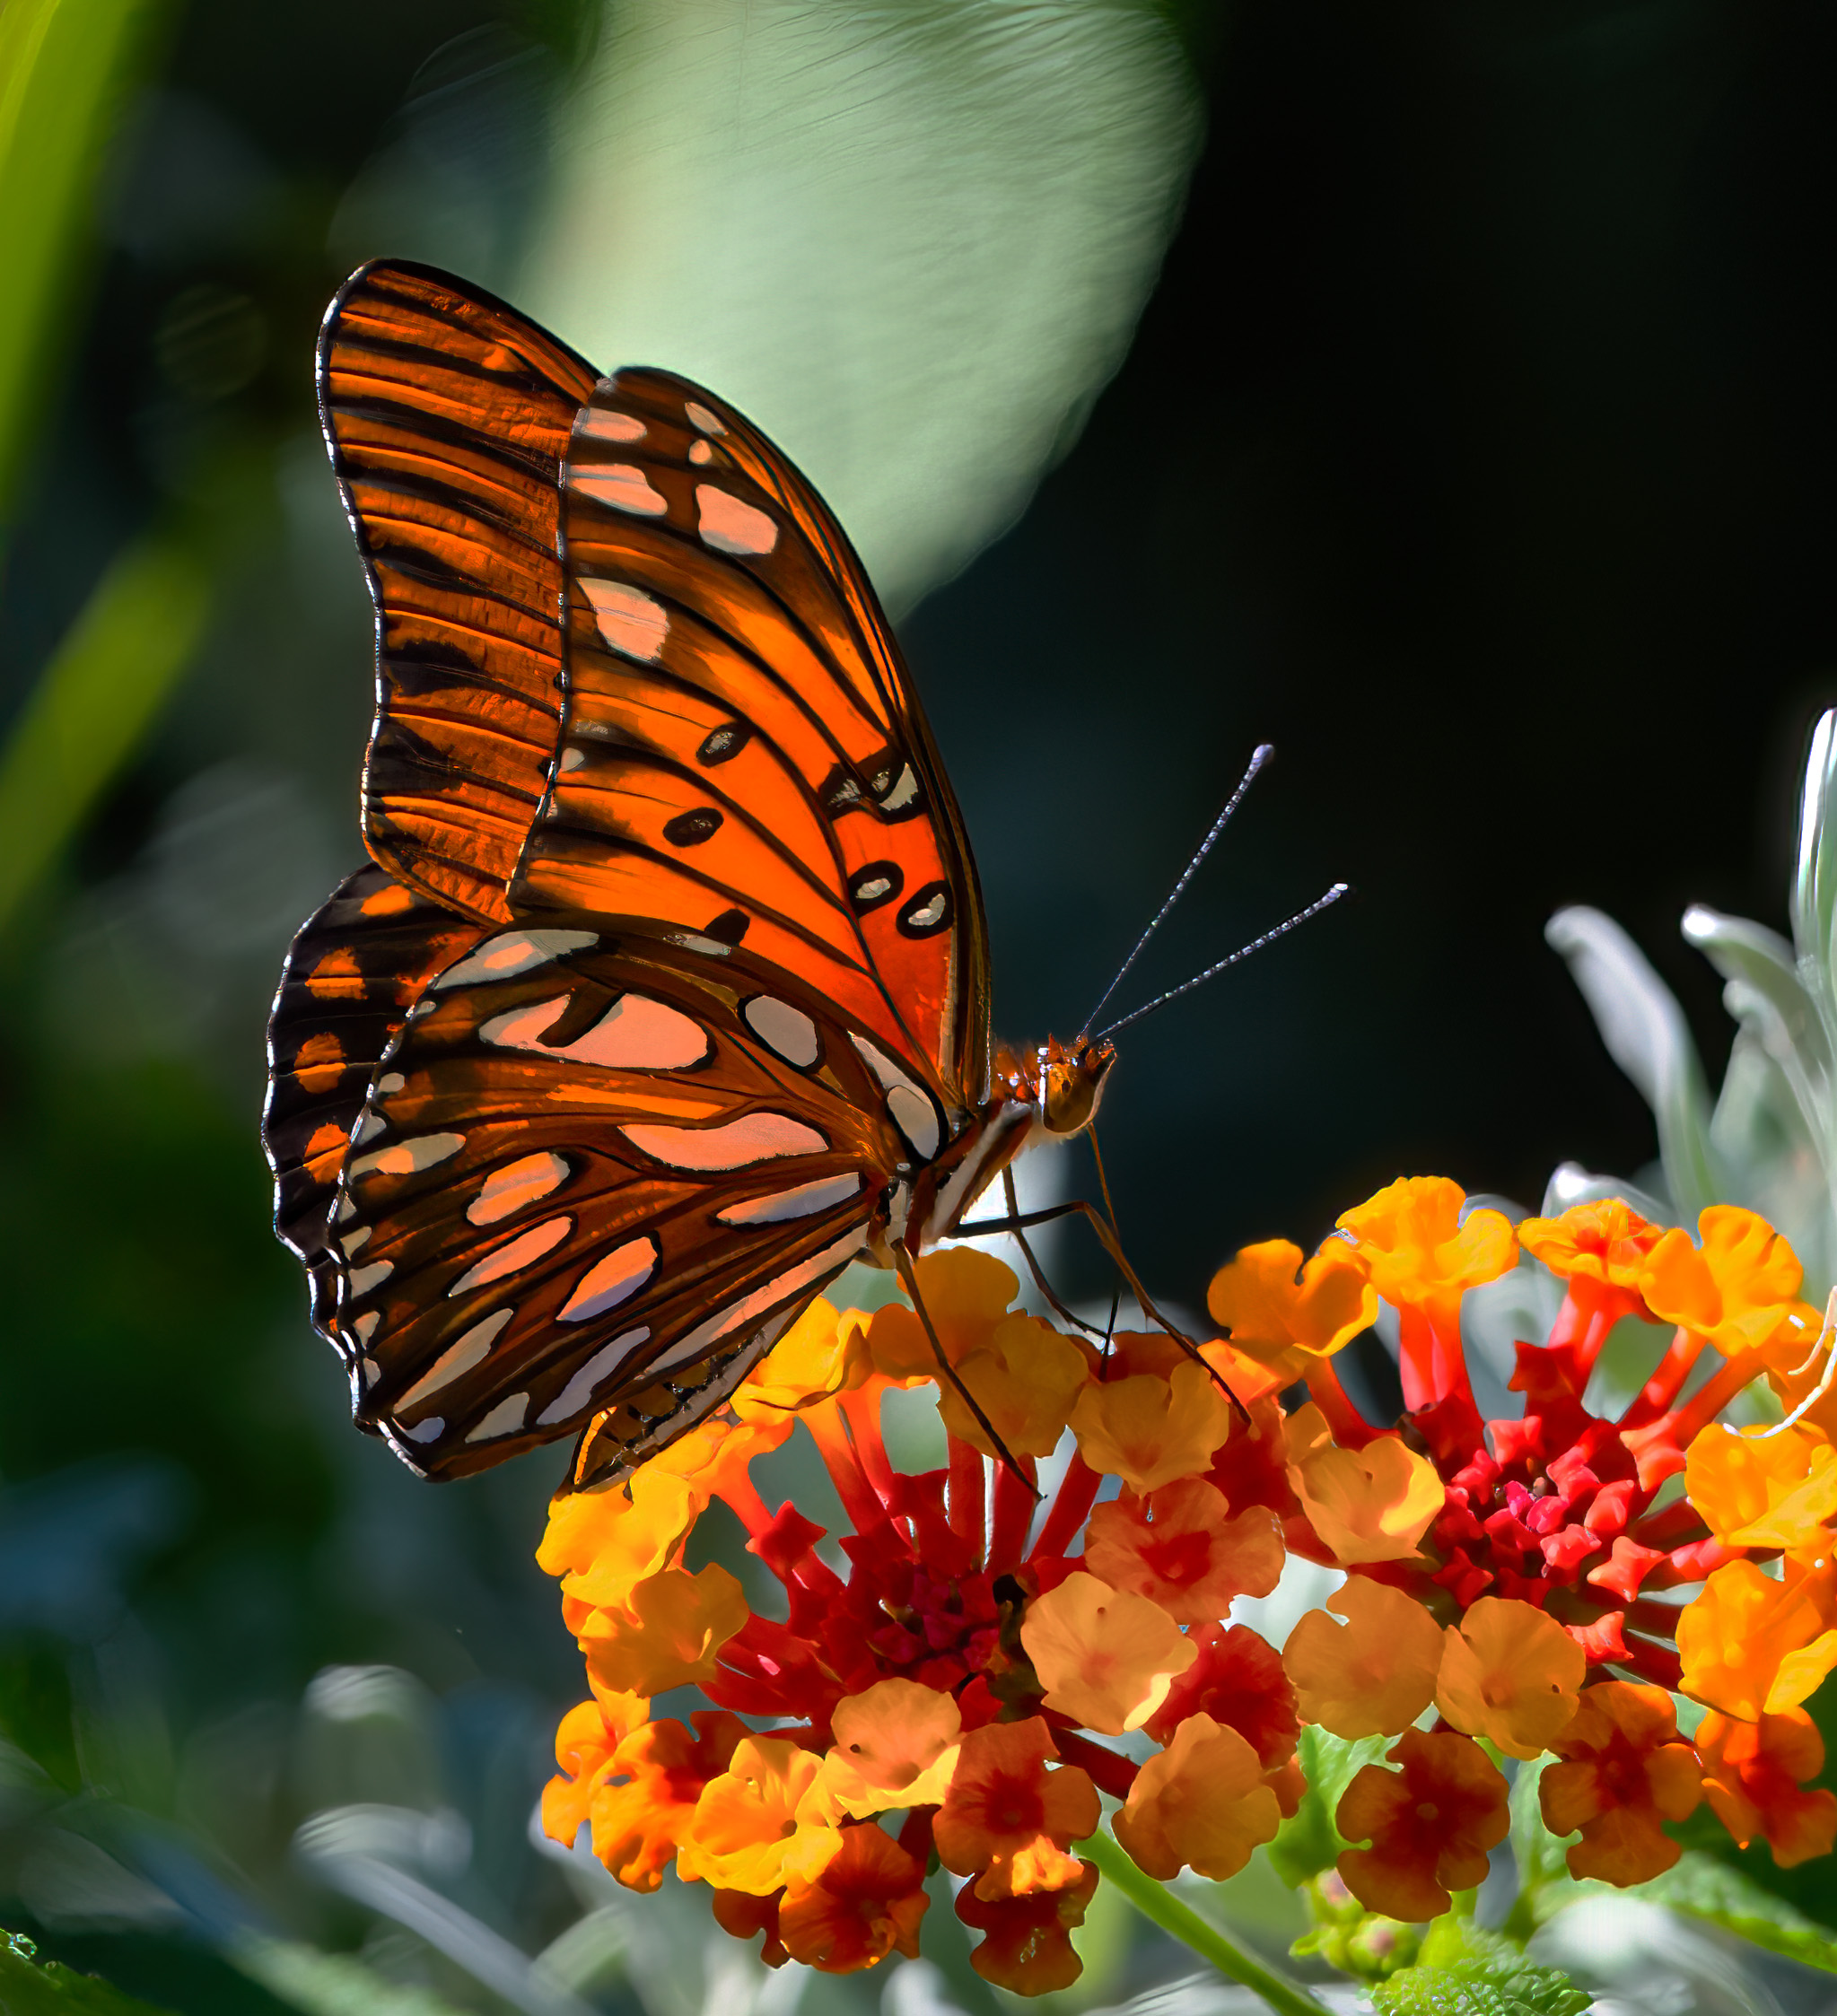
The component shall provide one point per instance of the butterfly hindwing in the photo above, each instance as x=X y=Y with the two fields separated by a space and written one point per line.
x=448 y=415
x=593 y=1172
x=352 y=972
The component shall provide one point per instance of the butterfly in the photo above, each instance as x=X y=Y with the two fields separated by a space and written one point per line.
x=664 y=993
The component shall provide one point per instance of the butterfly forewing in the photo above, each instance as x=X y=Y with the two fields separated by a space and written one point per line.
x=448 y=414
x=591 y=1170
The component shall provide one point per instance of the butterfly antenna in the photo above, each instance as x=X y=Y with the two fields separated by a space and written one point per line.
x=1243 y=952
x=1260 y=755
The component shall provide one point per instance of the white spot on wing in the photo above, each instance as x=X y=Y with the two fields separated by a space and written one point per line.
x=902 y=792
x=364 y=1327
x=354 y=1243
x=571 y=758
x=787 y=1030
x=458 y=1359
x=609 y=1281
x=511 y=952
x=755 y=1138
x=700 y=453
x=728 y=526
x=804 y=1202
x=916 y=1118
x=594 y=1374
x=596 y=423
x=364 y=1279
x=700 y=416
x=408 y=1157
x=368 y=1128
x=505 y=1419
x=521 y=1252
x=622 y=485
x=428 y=1430
x=636 y=1034
x=390 y=1083
x=517 y=1185
x=779 y=1289
x=629 y=620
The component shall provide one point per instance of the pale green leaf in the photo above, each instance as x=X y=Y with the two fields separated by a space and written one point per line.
x=1466 y=1972
x=1309 y=1842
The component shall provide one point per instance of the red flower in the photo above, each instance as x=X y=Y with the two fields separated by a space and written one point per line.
x=1431 y=1825
x=865 y=1903
x=1027 y=1944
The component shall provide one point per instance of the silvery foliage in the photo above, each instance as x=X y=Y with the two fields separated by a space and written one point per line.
x=1770 y=1139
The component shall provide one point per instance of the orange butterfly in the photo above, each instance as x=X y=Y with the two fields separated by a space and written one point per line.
x=666 y=993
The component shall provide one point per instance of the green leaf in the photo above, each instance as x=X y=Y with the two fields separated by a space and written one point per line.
x=1702 y=1887
x=107 y=678
x=66 y=66
x=28 y=1989
x=1309 y=1842
x=1466 y=1972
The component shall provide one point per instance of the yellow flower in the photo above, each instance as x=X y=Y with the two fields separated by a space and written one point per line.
x=1025 y=1378
x=745 y=1834
x=1201 y=1804
x=1283 y=1313
x=1149 y=1430
x=1371 y=1676
x=1417 y=1251
x=896 y=1745
x=967 y=1295
x=1511 y=1675
x=1754 y=1647
x=1105 y=1658
x=1373 y=1503
x=1765 y=1488
x=1739 y=1287
x=668 y=1635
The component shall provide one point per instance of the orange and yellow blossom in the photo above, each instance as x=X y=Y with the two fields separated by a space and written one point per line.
x=1735 y=1285
x=1511 y=1675
x=669 y=1634
x=1751 y=1645
x=1153 y=1426
x=744 y=1833
x=1286 y=1311
x=642 y=1808
x=1104 y=1657
x=864 y=1902
x=1763 y=1487
x=1027 y=1939
x=1202 y=1804
x=896 y=1745
x=1431 y=1824
x=1180 y=1548
x=1624 y=1772
x=1752 y=1777
x=1007 y=1820
x=1371 y=1676
x=1026 y=1378
x=1373 y=1503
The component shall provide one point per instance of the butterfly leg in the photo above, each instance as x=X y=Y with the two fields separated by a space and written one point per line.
x=1025 y=1220
x=1033 y=1265
x=908 y=1276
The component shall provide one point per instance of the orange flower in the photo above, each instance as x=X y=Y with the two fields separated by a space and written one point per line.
x=584 y=1747
x=1151 y=1430
x=1283 y=1313
x=1373 y=1503
x=1751 y=1775
x=819 y=1356
x=863 y=1904
x=1603 y=1241
x=1765 y=1488
x=1431 y=1824
x=740 y=1916
x=744 y=1834
x=1754 y=1647
x=1180 y=1549
x=1739 y=1287
x=1511 y=1675
x=1026 y=1943
x=632 y=1534
x=1624 y=1771
x=1417 y=1251
x=670 y=1633
x=967 y=1295
x=1238 y=1679
x=638 y=1823
x=1371 y=1676
x=1024 y=1379
x=896 y=1745
x=1105 y=1658
x=1201 y=1802
x=1007 y=1815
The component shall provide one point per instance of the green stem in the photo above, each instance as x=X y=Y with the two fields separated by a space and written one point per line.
x=1160 y=1906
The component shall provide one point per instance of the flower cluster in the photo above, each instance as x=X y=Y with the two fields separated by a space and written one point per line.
x=964 y=1676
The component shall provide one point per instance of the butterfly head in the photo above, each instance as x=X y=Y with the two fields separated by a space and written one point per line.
x=1068 y=1081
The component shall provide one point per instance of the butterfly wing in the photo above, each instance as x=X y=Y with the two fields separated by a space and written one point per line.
x=352 y=974
x=742 y=752
x=448 y=415
x=594 y=1177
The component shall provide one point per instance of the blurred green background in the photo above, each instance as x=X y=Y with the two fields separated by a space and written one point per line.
x=1440 y=390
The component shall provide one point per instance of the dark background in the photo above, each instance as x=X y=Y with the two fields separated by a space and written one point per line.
x=1475 y=449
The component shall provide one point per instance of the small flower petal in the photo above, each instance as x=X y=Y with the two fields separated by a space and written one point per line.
x=1371 y=1676
x=1511 y=1675
x=1104 y=1657
x=1179 y=1547
x=1201 y=1804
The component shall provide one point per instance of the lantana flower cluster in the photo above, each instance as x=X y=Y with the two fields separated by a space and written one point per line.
x=965 y=1677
